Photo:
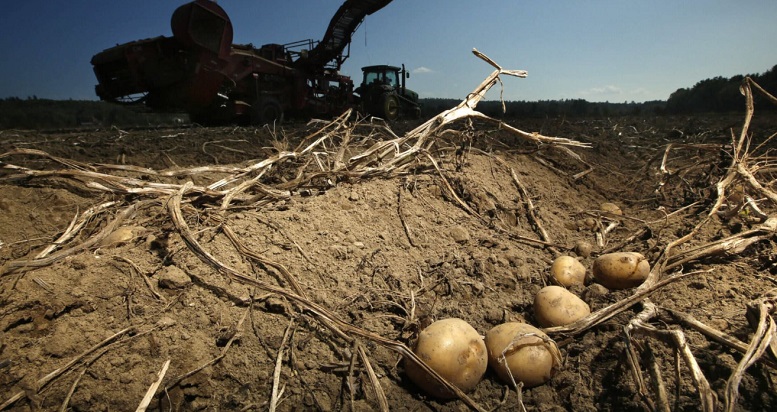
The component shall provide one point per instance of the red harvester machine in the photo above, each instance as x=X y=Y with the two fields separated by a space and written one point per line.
x=199 y=71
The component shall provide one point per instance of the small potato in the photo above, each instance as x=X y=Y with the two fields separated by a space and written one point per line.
x=556 y=306
x=620 y=270
x=583 y=248
x=611 y=208
x=121 y=236
x=567 y=271
x=455 y=350
x=522 y=351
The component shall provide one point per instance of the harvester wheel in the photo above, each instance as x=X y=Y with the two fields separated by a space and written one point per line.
x=266 y=110
x=390 y=106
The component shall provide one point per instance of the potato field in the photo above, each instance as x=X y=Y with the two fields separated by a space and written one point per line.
x=295 y=266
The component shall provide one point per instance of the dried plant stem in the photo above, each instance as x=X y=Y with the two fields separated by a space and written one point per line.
x=759 y=313
x=731 y=245
x=762 y=339
x=34 y=152
x=530 y=208
x=42 y=382
x=177 y=380
x=276 y=393
x=72 y=390
x=632 y=359
x=675 y=338
x=244 y=250
x=608 y=312
x=24 y=264
x=714 y=334
x=350 y=379
x=152 y=389
x=145 y=278
x=658 y=381
x=382 y=400
x=74 y=227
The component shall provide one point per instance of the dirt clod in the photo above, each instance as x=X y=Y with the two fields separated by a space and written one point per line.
x=172 y=277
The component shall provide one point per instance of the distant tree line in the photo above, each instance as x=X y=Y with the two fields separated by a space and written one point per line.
x=35 y=113
x=720 y=94
x=714 y=95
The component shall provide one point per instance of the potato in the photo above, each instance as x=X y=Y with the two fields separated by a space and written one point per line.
x=567 y=271
x=455 y=350
x=611 y=208
x=121 y=236
x=583 y=248
x=620 y=270
x=522 y=351
x=556 y=306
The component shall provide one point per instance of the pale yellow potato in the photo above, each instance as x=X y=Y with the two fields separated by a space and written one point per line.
x=620 y=270
x=556 y=306
x=455 y=350
x=583 y=248
x=522 y=351
x=567 y=271
x=611 y=207
x=122 y=235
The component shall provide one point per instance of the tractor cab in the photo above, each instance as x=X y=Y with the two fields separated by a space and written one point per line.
x=381 y=75
x=383 y=93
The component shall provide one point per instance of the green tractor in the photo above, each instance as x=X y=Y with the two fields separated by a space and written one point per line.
x=383 y=93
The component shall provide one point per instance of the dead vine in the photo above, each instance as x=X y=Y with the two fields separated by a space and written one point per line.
x=736 y=194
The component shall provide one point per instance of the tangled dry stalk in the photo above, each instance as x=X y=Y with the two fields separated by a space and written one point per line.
x=748 y=168
x=345 y=149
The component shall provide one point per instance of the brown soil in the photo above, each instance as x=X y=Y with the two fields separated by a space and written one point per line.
x=387 y=254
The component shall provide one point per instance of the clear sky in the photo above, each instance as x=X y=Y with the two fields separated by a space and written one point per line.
x=598 y=50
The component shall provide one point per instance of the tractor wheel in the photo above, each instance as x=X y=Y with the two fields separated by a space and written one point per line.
x=390 y=107
x=266 y=110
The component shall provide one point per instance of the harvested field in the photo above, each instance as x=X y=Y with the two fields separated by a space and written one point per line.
x=291 y=268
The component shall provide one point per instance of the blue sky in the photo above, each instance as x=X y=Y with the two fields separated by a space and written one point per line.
x=598 y=50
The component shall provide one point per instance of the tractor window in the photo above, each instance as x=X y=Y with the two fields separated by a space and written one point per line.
x=391 y=79
x=386 y=77
x=371 y=77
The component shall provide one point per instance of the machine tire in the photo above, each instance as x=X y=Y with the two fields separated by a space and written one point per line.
x=390 y=106
x=266 y=110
